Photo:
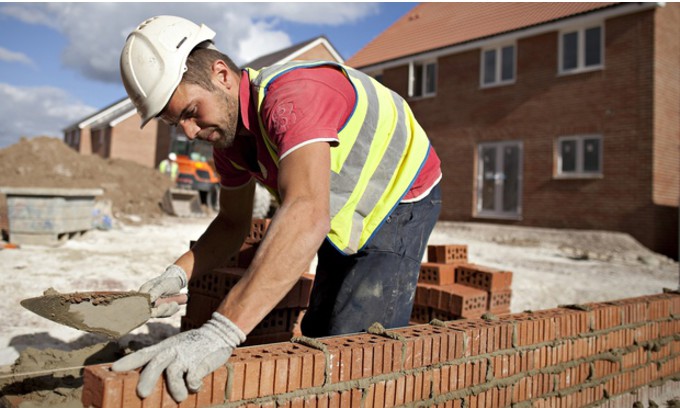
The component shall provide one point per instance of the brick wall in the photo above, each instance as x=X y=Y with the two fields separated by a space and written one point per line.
x=638 y=191
x=131 y=143
x=667 y=105
x=569 y=356
x=317 y=53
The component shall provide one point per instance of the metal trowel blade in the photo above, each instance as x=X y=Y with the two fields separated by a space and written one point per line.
x=112 y=314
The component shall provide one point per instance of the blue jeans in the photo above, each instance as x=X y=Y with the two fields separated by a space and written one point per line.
x=378 y=283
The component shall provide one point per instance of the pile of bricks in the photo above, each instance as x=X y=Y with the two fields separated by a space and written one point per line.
x=450 y=288
x=207 y=291
x=608 y=354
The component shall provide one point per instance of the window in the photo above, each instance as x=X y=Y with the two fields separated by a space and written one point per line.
x=423 y=79
x=579 y=156
x=498 y=66
x=581 y=50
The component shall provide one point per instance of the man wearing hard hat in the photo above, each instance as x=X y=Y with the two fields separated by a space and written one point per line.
x=169 y=166
x=355 y=175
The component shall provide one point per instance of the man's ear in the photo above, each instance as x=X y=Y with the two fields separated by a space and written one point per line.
x=223 y=75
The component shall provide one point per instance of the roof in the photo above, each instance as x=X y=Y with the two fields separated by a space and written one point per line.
x=106 y=114
x=292 y=52
x=430 y=26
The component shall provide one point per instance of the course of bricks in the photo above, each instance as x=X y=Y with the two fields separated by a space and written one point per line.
x=573 y=356
x=449 y=287
x=207 y=291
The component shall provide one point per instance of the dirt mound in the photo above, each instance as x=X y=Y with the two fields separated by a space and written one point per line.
x=134 y=190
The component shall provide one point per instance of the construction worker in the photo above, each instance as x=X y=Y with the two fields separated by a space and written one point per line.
x=169 y=166
x=355 y=175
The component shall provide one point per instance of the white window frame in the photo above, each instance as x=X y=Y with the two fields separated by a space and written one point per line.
x=499 y=66
x=580 y=50
x=579 y=172
x=412 y=80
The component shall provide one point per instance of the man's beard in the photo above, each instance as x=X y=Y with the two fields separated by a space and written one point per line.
x=227 y=127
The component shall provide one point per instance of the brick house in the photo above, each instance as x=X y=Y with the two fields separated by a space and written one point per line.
x=113 y=132
x=546 y=114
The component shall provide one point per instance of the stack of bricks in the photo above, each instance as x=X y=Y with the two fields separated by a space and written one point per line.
x=451 y=288
x=605 y=354
x=207 y=291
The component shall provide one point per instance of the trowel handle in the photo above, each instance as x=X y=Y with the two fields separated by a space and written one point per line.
x=180 y=299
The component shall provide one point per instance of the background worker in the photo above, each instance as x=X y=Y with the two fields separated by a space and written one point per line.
x=169 y=166
x=355 y=174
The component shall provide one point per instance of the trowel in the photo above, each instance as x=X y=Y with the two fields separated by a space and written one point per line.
x=113 y=314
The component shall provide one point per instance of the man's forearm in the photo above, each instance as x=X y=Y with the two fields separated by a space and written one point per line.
x=295 y=234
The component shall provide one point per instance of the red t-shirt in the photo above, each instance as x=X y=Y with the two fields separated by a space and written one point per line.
x=302 y=106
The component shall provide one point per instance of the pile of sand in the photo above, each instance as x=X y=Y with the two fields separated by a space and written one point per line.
x=132 y=189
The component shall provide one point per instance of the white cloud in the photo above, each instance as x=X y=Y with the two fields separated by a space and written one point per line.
x=261 y=40
x=11 y=56
x=36 y=111
x=96 y=32
x=321 y=13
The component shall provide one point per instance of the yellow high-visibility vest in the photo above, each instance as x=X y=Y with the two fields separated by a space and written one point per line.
x=171 y=169
x=381 y=151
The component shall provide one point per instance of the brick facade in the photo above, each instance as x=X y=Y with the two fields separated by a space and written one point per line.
x=146 y=146
x=317 y=53
x=633 y=103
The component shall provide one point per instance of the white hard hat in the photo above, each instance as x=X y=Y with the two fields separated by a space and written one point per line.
x=154 y=59
x=172 y=156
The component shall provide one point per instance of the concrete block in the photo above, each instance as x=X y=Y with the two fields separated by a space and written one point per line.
x=48 y=216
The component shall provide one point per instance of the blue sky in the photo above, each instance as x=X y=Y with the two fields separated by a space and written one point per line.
x=59 y=61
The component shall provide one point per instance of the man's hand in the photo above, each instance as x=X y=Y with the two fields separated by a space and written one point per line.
x=192 y=354
x=168 y=283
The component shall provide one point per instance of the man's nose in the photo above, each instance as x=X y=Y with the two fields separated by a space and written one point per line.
x=190 y=128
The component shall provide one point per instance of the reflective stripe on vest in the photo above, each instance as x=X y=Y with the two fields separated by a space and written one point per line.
x=382 y=148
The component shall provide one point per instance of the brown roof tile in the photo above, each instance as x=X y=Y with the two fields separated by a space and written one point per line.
x=430 y=26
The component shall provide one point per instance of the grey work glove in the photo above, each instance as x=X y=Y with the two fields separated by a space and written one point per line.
x=168 y=283
x=192 y=355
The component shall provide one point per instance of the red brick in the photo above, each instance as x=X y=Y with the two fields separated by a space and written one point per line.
x=427 y=383
x=447 y=254
x=370 y=397
x=166 y=399
x=102 y=388
x=189 y=402
x=130 y=398
x=267 y=375
x=251 y=379
x=409 y=389
x=482 y=277
x=437 y=273
x=244 y=257
x=379 y=394
x=155 y=399
x=216 y=283
x=420 y=314
x=459 y=300
x=258 y=229
x=204 y=395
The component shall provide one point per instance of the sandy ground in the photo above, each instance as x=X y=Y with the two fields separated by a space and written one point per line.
x=551 y=267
